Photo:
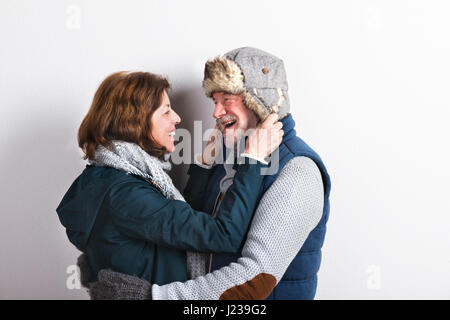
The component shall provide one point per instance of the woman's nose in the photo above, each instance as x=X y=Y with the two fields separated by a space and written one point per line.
x=176 y=118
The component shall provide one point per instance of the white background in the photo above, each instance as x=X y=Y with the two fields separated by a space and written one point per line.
x=369 y=89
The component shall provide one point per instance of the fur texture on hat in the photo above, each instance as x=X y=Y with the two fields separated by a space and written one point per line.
x=224 y=75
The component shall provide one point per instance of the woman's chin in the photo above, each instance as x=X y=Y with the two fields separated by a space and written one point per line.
x=170 y=148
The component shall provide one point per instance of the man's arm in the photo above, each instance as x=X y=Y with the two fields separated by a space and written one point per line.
x=286 y=214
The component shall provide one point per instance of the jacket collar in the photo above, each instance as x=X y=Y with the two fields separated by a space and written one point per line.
x=288 y=127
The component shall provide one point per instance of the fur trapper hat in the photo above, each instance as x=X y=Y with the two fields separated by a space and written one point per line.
x=259 y=76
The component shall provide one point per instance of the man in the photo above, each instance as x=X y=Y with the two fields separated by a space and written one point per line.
x=282 y=252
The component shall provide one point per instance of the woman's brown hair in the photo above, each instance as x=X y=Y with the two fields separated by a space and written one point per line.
x=121 y=110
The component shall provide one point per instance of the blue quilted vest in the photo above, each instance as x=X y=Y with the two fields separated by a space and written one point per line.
x=300 y=279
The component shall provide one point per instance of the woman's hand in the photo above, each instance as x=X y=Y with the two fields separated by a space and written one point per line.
x=265 y=138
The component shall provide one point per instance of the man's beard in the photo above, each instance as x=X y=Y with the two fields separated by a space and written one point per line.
x=221 y=123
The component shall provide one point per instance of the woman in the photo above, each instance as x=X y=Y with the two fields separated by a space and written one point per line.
x=123 y=211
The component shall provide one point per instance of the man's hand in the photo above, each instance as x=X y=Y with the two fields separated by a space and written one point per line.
x=119 y=286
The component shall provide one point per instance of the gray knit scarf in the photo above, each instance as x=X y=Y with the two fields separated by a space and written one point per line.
x=132 y=159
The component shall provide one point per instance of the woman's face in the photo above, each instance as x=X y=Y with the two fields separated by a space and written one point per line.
x=163 y=123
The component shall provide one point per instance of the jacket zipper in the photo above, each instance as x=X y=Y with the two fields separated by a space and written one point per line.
x=213 y=213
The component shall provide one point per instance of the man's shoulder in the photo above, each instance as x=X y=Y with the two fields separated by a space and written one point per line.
x=300 y=165
x=296 y=146
x=299 y=185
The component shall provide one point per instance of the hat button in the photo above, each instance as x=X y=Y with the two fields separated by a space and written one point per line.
x=265 y=71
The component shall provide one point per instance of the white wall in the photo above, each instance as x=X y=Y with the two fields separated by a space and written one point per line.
x=369 y=89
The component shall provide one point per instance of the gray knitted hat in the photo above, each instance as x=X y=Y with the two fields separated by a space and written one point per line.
x=259 y=76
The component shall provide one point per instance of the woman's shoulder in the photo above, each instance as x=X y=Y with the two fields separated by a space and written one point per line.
x=109 y=174
x=111 y=178
x=122 y=190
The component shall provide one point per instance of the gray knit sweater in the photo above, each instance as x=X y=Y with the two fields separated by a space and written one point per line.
x=287 y=213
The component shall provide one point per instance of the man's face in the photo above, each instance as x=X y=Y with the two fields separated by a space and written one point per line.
x=232 y=116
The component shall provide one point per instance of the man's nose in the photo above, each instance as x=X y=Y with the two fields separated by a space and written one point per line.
x=219 y=111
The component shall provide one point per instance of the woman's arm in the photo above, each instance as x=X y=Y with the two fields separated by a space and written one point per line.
x=142 y=212
x=282 y=222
